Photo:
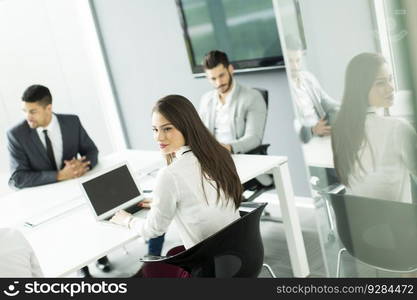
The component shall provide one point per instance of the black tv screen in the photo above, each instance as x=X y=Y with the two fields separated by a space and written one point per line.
x=245 y=29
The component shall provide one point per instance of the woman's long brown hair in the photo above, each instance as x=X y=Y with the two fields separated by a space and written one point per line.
x=215 y=161
x=348 y=132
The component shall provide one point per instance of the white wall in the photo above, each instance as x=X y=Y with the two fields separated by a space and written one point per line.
x=411 y=23
x=335 y=32
x=44 y=41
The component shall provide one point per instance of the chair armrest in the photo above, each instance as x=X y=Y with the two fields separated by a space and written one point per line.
x=337 y=189
x=261 y=149
x=153 y=258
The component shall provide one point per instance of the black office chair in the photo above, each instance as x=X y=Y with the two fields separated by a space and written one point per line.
x=255 y=185
x=379 y=233
x=263 y=148
x=234 y=251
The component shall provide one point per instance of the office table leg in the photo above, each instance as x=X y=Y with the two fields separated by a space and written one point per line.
x=291 y=221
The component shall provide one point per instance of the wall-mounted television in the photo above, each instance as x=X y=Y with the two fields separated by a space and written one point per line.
x=245 y=29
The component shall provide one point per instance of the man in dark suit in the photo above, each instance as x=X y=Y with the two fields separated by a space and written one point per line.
x=48 y=147
x=31 y=165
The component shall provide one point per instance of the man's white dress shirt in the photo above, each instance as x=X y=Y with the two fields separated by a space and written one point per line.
x=55 y=135
x=224 y=118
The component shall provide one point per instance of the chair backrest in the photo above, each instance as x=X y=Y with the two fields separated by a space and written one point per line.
x=261 y=149
x=377 y=232
x=234 y=251
x=265 y=95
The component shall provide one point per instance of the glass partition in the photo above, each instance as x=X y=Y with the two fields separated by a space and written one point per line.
x=352 y=74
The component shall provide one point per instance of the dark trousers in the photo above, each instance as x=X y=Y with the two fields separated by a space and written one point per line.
x=155 y=245
x=162 y=270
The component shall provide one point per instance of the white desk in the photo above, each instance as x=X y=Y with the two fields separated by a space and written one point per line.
x=4 y=188
x=65 y=244
x=318 y=152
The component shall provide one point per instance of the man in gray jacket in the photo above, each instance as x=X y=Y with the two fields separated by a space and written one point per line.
x=235 y=114
x=315 y=109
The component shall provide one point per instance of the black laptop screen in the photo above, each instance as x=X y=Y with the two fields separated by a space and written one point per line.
x=111 y=189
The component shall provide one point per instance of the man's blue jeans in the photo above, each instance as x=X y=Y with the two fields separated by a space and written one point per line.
x=155 y=245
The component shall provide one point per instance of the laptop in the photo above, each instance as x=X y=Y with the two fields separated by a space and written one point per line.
x=112 y=190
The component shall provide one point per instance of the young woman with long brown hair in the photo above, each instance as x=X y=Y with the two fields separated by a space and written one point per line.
x=374 y=154
x=199 y=189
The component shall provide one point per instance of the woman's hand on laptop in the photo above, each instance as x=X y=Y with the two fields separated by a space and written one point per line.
x=122 y=218
x=146 y=203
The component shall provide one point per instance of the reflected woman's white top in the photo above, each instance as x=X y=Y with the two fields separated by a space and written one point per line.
x=179 y=196
x=388 y=158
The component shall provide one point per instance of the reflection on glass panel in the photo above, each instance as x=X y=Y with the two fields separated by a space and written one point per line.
x=374 y=153
x=354 y=115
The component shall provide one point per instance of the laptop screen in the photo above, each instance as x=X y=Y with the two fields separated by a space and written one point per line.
x=111 y=189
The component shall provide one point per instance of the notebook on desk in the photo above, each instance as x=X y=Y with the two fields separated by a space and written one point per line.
x=112 y=190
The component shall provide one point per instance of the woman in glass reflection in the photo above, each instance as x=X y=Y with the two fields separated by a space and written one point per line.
x=374 y=155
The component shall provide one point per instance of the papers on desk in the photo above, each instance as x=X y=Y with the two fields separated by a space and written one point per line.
x=54 y=212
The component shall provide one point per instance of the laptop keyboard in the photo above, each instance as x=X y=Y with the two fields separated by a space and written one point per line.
x=133 y=209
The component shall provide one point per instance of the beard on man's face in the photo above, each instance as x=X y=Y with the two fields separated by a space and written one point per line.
x=224 y=88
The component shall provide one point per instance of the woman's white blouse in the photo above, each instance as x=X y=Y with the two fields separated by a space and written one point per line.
x=179 y=196
x=389 y=158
